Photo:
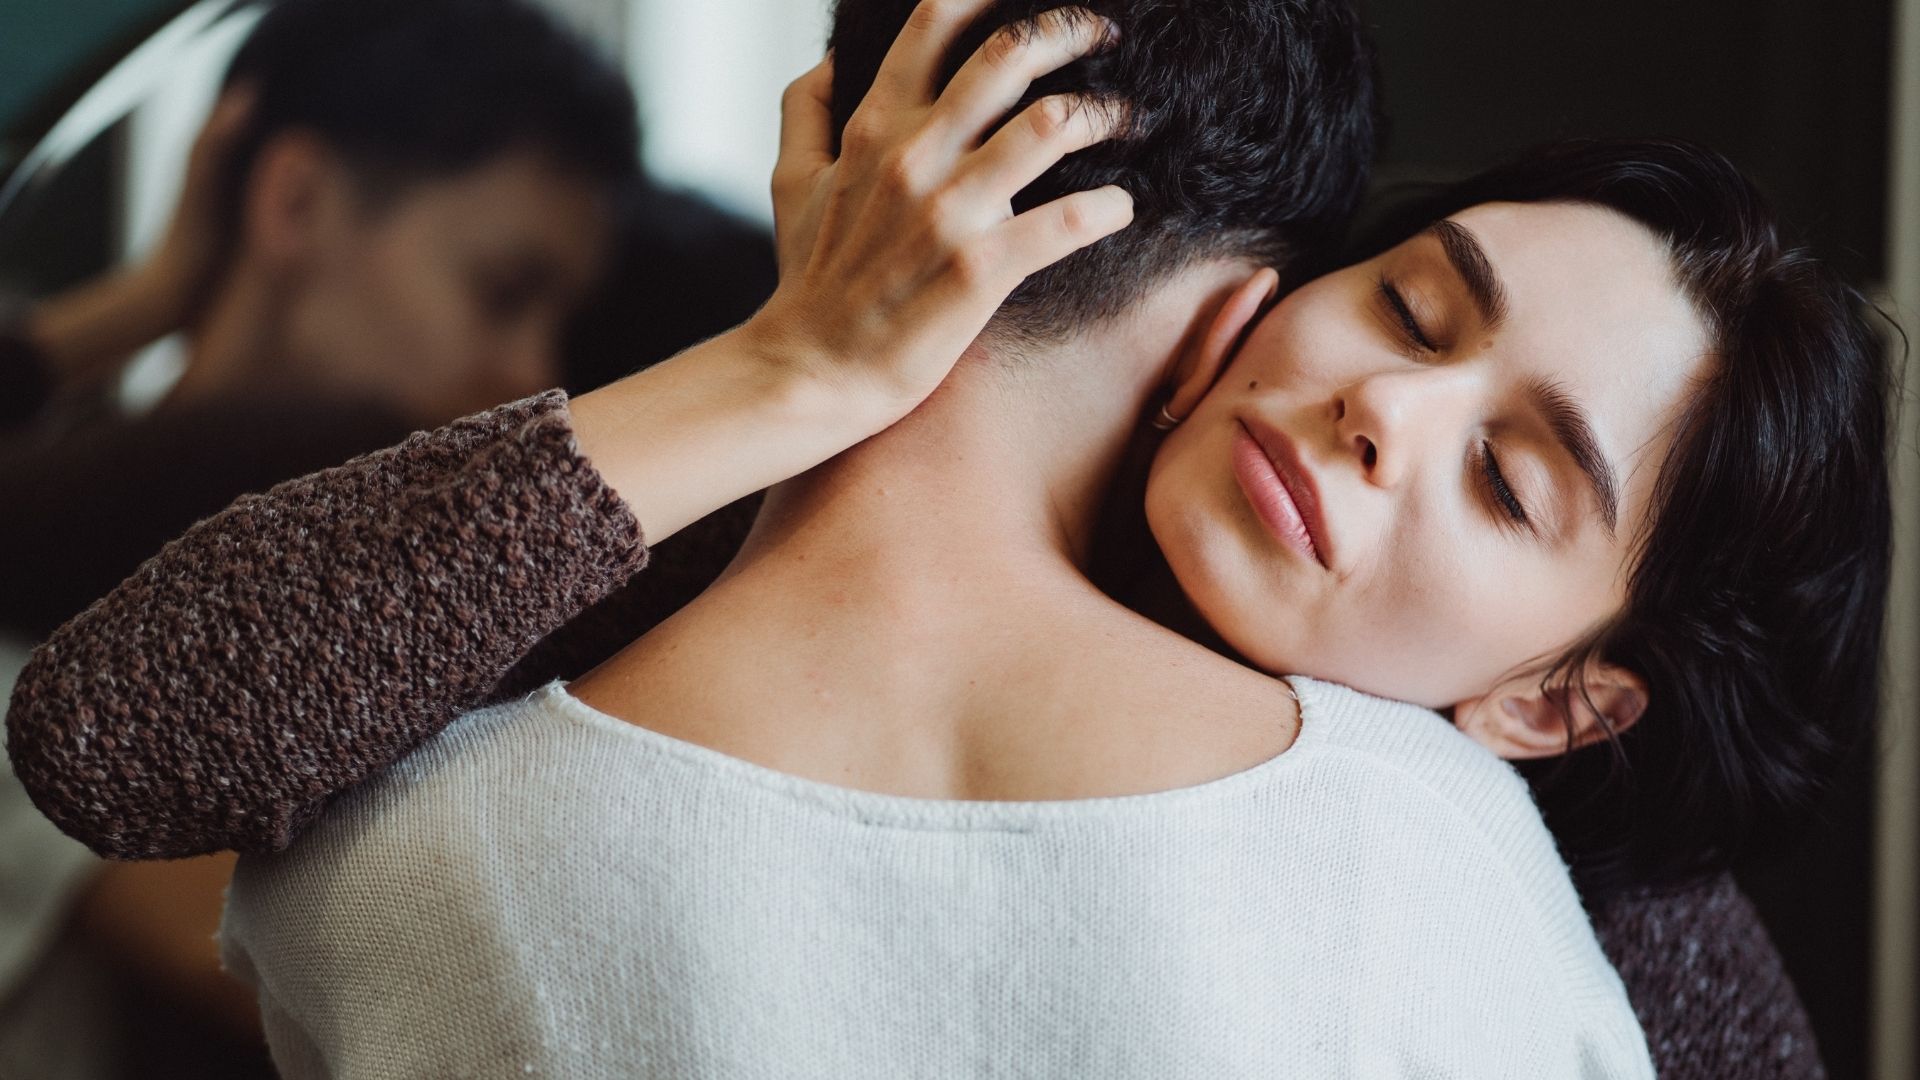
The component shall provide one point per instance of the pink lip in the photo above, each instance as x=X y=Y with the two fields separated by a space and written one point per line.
x=1280 y=488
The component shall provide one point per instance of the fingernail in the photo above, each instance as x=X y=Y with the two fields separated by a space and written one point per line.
x=1113 y=32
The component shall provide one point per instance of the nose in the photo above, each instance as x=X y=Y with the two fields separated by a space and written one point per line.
x=1390 y=421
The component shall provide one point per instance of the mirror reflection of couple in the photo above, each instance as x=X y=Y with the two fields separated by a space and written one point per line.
x=903 y=791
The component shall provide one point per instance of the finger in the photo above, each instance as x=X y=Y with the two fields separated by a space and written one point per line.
x=806 y=122
x=1044 y=235
x=997 y=75
x=907 y=73
x=1035 y=141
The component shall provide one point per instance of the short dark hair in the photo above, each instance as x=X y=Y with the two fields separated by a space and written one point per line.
x=1758 y=590
x=1252 y=133
x=412 y=90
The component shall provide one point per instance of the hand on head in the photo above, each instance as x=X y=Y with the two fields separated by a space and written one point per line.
x=185 y=265
x=895 y=255
x=87 y=333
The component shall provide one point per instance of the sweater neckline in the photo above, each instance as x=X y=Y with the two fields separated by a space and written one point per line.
x=909 y=811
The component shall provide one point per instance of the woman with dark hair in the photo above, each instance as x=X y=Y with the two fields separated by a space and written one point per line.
x=1431 y=476
x=1736 y=657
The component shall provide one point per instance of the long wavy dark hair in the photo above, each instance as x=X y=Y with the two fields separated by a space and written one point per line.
x=1758 y=588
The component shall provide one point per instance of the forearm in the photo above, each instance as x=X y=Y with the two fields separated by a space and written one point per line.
x=677 y=572
x=717 y=423
x=87 y=331
x=286 y=648
x=290 y=646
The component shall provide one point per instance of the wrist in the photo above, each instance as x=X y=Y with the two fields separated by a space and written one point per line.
x=93 y=327
x=791 y=384
x=738 y=413
x=809 y=367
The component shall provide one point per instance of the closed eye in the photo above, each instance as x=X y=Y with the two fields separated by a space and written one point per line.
x=1497 y=486
x=1397 y=305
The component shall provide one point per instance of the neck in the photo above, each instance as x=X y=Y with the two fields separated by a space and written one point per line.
x=917 y=614
x=998 y=477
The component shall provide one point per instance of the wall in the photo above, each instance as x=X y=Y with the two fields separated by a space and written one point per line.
x=43 y=42
x=1896 y=1012
x=709 y=76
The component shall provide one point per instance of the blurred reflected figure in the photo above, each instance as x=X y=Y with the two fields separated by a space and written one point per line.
x=388 y=222
x=421 y=192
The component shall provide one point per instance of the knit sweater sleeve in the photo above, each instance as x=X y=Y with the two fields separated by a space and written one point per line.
x=1707 y=984
x=288 y=647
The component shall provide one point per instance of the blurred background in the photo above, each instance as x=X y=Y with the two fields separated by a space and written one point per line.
x=1819 y=99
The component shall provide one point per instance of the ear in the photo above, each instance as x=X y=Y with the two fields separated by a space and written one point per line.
x=1200 y=363
x=1519 y=721
x=296 y=196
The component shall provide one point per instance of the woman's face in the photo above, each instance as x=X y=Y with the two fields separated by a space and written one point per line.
x=453 y=297
x=1427 y=471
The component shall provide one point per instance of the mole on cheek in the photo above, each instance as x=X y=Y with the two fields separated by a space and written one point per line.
x=1254 y=385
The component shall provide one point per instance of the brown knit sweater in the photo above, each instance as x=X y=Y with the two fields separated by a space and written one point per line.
x=285 y=649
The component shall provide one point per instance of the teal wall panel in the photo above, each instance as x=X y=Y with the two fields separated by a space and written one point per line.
x=43 y=42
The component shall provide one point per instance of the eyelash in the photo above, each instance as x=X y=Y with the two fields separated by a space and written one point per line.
x=1496 y=481
x=1497 y=485
x=1409 y=326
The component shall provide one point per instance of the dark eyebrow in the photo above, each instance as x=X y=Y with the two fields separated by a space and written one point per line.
x=1469 y=260
x=1575 y=435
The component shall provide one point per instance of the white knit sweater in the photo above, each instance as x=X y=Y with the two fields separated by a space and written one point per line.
x=544 y=890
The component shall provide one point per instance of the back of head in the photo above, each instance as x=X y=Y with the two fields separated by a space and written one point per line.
x=1758 y=592
x=1252 y=132
x=409 y=90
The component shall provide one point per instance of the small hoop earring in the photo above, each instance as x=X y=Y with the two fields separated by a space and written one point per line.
x=1164 y=420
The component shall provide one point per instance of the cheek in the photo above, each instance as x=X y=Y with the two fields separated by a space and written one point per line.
x=1447 y=618
x=426 y=309
x=1312 y=338
x=1428 y=623
x=1417 y=623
